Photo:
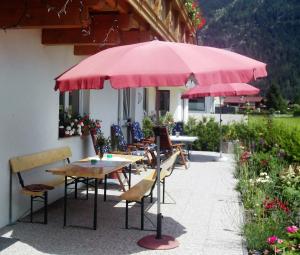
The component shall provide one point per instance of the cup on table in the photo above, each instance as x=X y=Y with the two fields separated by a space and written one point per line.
x=93 y=161
x=109 y=156
x=177 y=134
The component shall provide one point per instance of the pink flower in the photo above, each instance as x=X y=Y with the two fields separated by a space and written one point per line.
x=279 y=241
x=292 y=229
x=272 y=239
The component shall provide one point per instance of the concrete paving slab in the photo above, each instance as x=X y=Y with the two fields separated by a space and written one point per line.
x=202 y=211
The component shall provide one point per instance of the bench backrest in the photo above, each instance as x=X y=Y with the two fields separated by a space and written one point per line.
x=27 y=162
x=167 y=166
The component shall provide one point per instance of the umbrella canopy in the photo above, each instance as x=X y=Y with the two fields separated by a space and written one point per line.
x=220 y=90
x=159 y=63
x=226 y=89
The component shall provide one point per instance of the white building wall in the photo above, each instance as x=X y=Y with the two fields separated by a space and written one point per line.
x=104 y=106
x=29 y=110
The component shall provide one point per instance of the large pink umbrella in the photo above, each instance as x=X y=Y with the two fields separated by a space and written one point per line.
x=158 y=63
x=220 y=90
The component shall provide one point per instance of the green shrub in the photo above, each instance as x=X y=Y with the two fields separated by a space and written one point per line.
x=207 y=131
x=147 y=127
x=297 y=113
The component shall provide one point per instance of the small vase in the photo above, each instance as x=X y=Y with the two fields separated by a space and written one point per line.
x=101 y=154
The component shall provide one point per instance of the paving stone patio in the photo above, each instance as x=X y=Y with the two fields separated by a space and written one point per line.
x=202 y=211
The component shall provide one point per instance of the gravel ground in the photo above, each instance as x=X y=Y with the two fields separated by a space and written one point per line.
x=202 y=211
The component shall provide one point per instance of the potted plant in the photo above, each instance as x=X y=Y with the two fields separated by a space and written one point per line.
x=102 y=144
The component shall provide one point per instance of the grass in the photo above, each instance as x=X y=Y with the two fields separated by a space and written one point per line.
x=289 y=122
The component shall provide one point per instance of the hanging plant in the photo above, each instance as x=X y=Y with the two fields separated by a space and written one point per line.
x=195 y=13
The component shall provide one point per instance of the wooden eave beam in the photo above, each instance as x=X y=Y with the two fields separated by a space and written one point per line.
x=102 y=28
x=126 y=37
x=100 y=37
x=44 y=14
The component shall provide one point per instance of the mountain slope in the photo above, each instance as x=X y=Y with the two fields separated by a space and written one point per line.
x=267 y=30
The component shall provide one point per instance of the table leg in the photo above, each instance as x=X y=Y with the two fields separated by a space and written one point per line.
x=65 y=202
x=105 y=187
x=129 y=170
x=95 y=204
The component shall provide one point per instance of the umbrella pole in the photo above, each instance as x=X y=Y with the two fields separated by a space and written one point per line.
x=221 y=138
x=221 y=157
x=158 y=241
x=159 y=215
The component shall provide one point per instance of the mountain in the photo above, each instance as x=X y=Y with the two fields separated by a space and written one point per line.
x=267 y=30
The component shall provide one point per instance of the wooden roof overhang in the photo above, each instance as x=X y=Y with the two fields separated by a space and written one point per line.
x=94 y=25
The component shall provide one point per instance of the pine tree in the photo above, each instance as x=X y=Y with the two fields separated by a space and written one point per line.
x=275 y=100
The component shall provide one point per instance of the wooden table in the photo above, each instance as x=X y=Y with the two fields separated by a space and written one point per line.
x=98 y=170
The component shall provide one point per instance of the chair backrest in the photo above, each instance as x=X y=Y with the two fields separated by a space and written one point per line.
x=178 y=128
x=136 y=132
x=118 y=137
x=28 y=162
x=165 y=142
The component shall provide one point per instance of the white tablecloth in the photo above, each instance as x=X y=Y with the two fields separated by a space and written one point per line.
x=183 y=138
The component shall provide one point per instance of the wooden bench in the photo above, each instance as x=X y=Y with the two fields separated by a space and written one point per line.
x=145 y=187
x=38 y=192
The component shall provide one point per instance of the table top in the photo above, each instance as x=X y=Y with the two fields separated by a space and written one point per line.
x=115 y=158
x=86 y=172
x=98 y=169
x=183 y=138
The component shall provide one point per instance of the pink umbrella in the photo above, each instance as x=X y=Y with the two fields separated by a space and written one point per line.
x=159 y=63
x=221 y=90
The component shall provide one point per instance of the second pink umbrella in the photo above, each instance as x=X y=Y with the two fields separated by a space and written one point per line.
x=221 y=90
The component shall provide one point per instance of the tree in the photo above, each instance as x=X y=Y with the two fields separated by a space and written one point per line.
x=275 y=99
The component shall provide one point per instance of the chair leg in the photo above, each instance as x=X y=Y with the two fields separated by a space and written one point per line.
x=126 y=215
x=31 y=208
x=183 y=157
x=164 y=186
x=87 y=188
x=120 y=181
x=125 y=176
x=151 y=197
x=142 y=214
x=75 y=194
x=46 y=207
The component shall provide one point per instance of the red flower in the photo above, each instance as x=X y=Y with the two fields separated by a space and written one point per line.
x=245 y=156
x=275 y=204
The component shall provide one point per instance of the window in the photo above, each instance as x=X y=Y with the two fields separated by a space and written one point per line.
x=69 y=103
x=69 y=111
x=164 y=101
x=197 y=104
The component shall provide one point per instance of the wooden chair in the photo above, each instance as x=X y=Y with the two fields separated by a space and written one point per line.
x=138 y=136
x=167 y=147
x=139 y=149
